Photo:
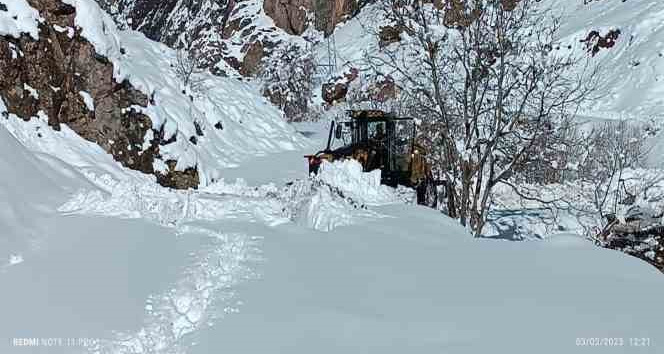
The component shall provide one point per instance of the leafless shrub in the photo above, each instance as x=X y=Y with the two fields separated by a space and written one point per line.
x=189 y=65
x=288 y=80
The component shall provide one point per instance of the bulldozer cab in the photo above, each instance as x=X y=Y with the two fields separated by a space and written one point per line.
x=382 y=141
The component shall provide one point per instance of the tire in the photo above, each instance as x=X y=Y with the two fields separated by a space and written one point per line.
x=427 y=193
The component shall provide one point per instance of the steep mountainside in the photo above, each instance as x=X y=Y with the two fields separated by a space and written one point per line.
x=64 y=63
x=622 y=36
x=626 y=38
x=235 y=33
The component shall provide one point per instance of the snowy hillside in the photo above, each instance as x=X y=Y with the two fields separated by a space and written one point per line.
x=220 y=125
x=632 y=70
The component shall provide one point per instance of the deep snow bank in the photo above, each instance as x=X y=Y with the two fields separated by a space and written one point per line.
x=416 y=282
x=17 y=205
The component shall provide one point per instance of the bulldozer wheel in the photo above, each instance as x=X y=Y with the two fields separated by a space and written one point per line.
x=427 y=194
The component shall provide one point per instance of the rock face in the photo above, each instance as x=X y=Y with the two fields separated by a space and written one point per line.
x=594 y=41
x=199 y=24
x=252 y=59
x=165 y=20
x=61 y=76
x=336 y=89
x=293 y=15
x=289 y=15
x=388 y=35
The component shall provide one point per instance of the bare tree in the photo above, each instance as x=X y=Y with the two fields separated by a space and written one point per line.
x=610 y=150
x=603 y=175
x=489 y=87
x=189 y=64
x=288 y=80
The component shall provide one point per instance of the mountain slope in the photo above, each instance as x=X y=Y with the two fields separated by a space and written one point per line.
x=123 y=92
x=632 y=70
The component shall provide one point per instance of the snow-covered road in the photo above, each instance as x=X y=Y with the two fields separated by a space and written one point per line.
x=256 y=266
x=421 y=286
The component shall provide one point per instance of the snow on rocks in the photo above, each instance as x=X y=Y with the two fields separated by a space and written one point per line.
x=88 y=100
x=185 y=122
x=18 y=18
x=251 y=125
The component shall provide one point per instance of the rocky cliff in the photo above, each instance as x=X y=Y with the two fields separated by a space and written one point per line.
x=62 y=77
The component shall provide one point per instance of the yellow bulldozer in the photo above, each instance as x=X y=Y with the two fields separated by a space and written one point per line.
x=380 y=140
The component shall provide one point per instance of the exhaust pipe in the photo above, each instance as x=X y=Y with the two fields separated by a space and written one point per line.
x=329 y=138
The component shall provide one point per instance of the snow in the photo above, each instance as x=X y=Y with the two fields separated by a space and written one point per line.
x=329 y=264
x=32 y=91
x=364 y=187
x=632 y=71
x=415 y=281
x=88 y=100
x=18 y=19
x=140 y=268
x=252 y=126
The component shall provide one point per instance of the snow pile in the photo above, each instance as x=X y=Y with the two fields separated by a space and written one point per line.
x=319 y=206
x=362 y=187
x=132 y=199
x=310 y=203
x=325 y=211
x=18 y=18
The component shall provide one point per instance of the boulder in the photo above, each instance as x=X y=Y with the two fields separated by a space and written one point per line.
x=388 y=35
x=336 y=89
